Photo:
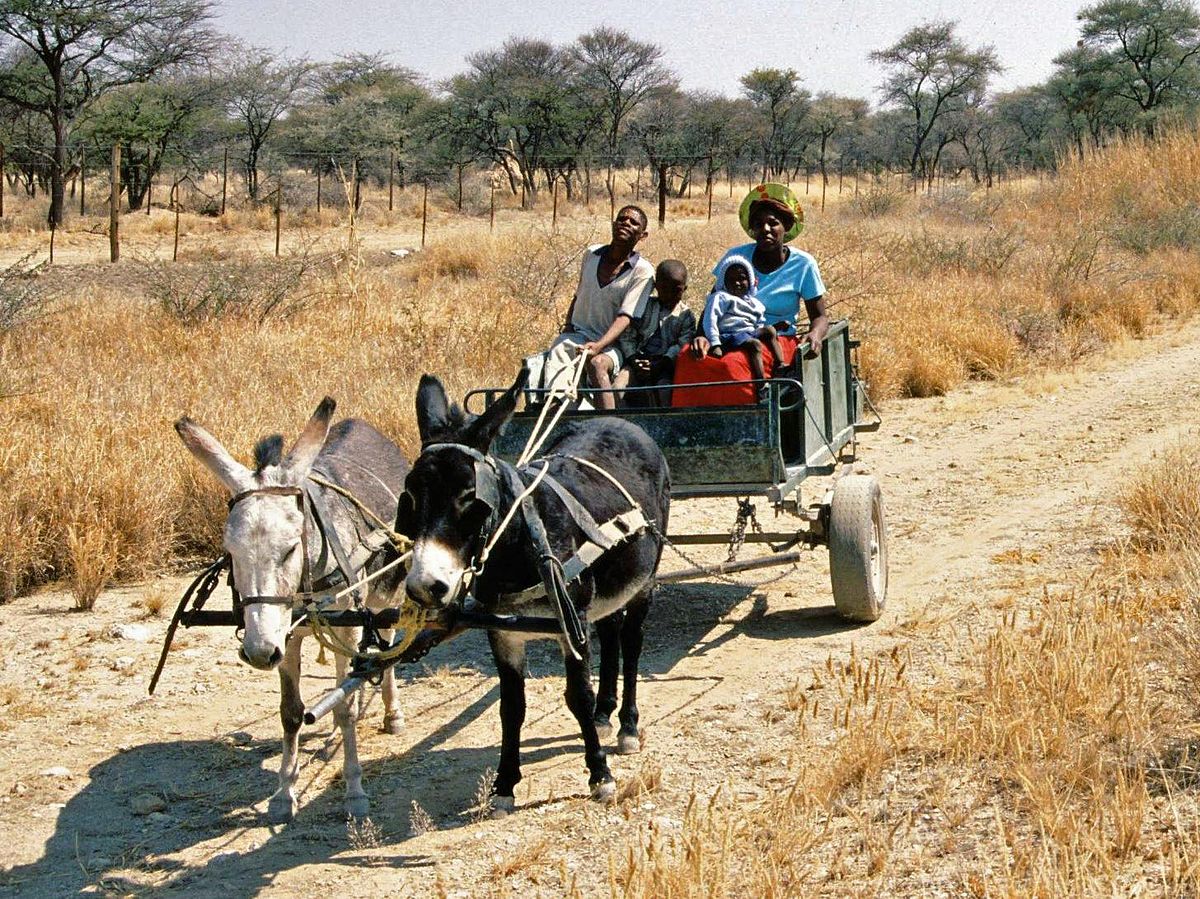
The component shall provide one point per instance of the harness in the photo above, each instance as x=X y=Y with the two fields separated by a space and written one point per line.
x=556 y=574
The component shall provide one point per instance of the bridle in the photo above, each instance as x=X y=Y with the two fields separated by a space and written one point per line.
x=305 y=571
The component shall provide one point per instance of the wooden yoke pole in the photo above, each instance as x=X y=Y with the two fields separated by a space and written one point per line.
x=114 y=207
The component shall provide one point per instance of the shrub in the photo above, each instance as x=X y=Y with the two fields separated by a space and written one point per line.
x=24 y=295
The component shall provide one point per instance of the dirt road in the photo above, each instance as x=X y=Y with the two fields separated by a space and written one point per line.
x=974 y=484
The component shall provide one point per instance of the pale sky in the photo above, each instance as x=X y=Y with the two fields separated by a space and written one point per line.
x=708 y=45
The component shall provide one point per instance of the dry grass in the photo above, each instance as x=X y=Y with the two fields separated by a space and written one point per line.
x=1055 y=756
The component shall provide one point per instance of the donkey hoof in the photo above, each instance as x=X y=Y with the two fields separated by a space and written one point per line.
x=358 y=807
x=603 y=728
x=393 y=724
x=605 y=791
x=501 y=806
x=281 y=809
x=628 y=744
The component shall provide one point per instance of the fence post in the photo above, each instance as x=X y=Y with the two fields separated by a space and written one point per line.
x=53 y=231
x=149 y=183
x=224 y=178
x=82 y=181
x=708 y=187
x=175 y=205
x=278 y=215
x=392 y=181
x=424 y=210
x=492 y=219
x=319 y=187
x=460 y=186
x=662 y=195
x=1 y=181
x=554 y=209
x=114 y=207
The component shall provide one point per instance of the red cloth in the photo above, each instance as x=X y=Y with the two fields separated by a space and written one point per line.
x=733 y=367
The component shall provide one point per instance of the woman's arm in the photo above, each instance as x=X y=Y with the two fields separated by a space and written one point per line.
x=818 y=323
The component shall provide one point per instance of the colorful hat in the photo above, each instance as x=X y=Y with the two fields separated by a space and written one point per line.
x=779 y=194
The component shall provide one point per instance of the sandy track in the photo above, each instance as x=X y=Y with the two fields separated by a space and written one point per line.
x=971 y=482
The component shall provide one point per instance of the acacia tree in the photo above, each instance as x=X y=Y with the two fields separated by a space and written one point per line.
x=519 y=100
x=64 y=54
x=931 y=74
x=784 y=108
x=1151 y=48
x=151 y=120
x=620 y=73
x=259 y=90
x=832 y=114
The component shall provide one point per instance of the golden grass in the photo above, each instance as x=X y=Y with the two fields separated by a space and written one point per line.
x=1045 y=761
x=94 y=486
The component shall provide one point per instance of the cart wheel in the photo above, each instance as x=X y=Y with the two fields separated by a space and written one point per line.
x=858 y=548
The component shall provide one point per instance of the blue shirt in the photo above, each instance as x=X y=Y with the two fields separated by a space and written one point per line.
x=782 y=290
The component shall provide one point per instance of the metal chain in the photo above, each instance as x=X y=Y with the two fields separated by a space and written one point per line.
x=724 y=578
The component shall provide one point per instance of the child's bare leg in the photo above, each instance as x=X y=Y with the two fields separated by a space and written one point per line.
x=753 y=350
x=771 y=337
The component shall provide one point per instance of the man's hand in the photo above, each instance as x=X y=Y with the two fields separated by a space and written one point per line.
x=815 y=342
x=716 y=352
x=700 y=347
x=592 y=348
x=642 y=364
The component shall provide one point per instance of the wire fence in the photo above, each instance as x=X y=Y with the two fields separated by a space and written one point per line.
x=346 y=184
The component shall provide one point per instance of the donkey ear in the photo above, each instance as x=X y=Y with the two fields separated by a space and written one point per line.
x=204 y=446
x=480 y=432
x=433 y=410
x=304 y=451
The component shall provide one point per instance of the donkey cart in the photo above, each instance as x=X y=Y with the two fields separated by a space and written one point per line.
x=806 y=427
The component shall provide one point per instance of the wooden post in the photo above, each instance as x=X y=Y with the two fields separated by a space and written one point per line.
x=82 y=182
x=460 y=186
x=637 y=186
x=522 y=191
x=175 y=205
x=662 y=195
x=856 y=174
x=807 y=177
x=554 y=209
x=709 y=191
x=392 y=181
x=224 y=178
x=114 y=207
x=424 y=211
x=1 y=181
x=492 y=217
x=278 y=216
x=824 y=184
x=149 y=183
x=319 y=186
x=53 y=231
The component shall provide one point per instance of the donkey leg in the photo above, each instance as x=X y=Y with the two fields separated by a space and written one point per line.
x=632 y=633
x=393 y=715
x=582 y=703
x=509 y=654
x=608 y=630
x=282 y=807
x=346 y=715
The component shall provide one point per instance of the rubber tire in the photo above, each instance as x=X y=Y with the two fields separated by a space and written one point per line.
x=858 y=548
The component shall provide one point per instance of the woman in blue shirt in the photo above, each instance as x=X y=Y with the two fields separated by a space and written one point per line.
x=786 y=276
